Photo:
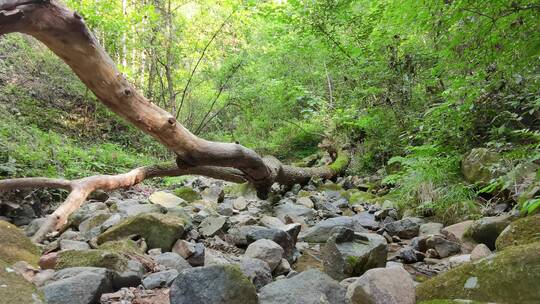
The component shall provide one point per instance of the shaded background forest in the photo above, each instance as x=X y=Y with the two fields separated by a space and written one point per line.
x=411 y=85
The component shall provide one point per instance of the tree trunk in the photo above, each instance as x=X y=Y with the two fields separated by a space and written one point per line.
x=64 y=32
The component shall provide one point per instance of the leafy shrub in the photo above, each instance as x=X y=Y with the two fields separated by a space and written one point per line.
x=429 y=182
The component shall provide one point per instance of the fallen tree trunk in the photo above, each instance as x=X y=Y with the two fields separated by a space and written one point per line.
x=64 y=32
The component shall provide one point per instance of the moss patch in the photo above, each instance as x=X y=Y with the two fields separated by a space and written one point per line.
x=15 y=289
x=236 y=190
x=159 y=230
x=120 y=246
x=187 y=194
x=511 y=276
x=520 y=232
x=355 y=196
x=91 y=258
x=15 y=246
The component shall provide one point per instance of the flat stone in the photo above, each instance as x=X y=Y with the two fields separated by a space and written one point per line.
x=160 y=279
x=353 y=258
x=308 y=287
x=165 y=199
x=224 y=284
x=383 y=286
x=266 y=250
x=323 y=230
x=212 y=225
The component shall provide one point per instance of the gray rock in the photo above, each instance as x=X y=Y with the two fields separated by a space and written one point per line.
x=160 y=279
x=308 y=287
x=73 y=245
x=383 y=286
x=224 y=284
x=257 y=271
x=479 y=252
x=353 y=258
x=266 y=250
x=444 y=247
x=192 y=252
x=458 y=260
x=34 y=226
x=487 y=229
x=406 y=228
x=366 y=220
x=78 y=286
x=298 y=213
x=240 y=203
x=305 y=201
x=409 y=255
x=271 y=222
x=281 y=237
x=323 y=230
x=86 y=211
x=171 y=260
x=132 y=207
x=131 y=276
x=283 y=268
x=430 y=228
x=210 y=226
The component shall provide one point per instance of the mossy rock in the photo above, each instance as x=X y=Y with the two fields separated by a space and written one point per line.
x=303 y=193
x=355 y=196
x=158 y=230
x=121 y=246
x=511 y=276
x=16 y=246
x=523 y=231
x=486 y=230
x=15 y=289
x=236 y=190
x=330 y=187
x=94 y=221
x=91 y=258
x=187 y=194
x=476 y=165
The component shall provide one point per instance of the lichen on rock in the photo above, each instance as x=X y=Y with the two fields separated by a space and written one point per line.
x=16 y=246
x=159 y=230
x=511 y=276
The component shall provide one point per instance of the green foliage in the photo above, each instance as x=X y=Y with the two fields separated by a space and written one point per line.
x=530 y=206
x=429 y=182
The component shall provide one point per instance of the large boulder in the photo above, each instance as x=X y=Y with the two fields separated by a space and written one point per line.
x=382 y=286
x=520 y=232
x=279 y=236
x=158 y=230
x=298 y=213
x=406 y=228
x=476 y=165
x=78 y=286
x=91 y=258
x=308 y=287
x=257 y=271
x=323 y=229
x=348 y=254
x=15 y=246
x=511 y=276
x=487 y=229
x=266 y=250
x=223 y=284
x=15 y=289
x=442 y=246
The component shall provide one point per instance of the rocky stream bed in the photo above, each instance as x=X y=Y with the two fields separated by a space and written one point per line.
x=208 y=241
